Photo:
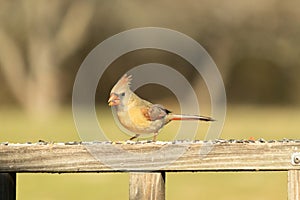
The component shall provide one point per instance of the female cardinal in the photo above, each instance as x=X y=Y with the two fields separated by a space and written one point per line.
x=140 y=116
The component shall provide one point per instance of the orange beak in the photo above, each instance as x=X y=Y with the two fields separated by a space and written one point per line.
x=113 y=100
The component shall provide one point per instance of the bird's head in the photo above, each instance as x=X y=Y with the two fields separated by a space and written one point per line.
x=120 y=91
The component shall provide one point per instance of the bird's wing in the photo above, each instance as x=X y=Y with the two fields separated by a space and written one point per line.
x=155 y=112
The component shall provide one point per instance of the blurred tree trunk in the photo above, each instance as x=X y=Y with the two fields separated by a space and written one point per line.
x=222 y=56
x=53 y=30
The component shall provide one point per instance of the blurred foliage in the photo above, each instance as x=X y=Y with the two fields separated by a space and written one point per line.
x=255 y=45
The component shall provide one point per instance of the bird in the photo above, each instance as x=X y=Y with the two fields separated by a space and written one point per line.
x=141 y=116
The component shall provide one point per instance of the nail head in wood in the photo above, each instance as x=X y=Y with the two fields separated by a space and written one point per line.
x=296 y=158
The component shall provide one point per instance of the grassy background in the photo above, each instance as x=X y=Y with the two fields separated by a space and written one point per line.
x=241 y=123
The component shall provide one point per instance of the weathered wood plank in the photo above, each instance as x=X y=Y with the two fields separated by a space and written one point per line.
x=180 y=156
x=7 y=186
x=294 y=184
x=147 y=186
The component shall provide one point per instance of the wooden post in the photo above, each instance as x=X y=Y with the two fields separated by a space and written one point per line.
x=147 y=186
x=8 y=186
x=294 y=184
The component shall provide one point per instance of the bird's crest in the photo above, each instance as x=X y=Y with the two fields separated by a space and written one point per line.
x=123 y=84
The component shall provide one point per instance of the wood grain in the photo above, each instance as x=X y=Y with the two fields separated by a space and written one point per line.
x=147 y=186
x=7 y=186
x=294 y=184
x=159 y=156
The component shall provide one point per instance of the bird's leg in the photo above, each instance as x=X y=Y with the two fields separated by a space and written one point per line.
x=154 y=137
x=137 y=135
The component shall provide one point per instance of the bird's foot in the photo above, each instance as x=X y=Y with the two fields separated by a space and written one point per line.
x=136 y=136
x=154 y=137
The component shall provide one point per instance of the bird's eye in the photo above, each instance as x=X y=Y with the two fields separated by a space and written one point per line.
x=123 y=94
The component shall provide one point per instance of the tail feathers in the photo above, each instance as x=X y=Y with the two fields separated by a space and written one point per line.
x=192 y=117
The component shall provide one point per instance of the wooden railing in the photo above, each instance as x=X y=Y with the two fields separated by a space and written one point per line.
x=147 y=169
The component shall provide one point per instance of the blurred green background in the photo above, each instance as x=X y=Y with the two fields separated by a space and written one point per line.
x=255 y=44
